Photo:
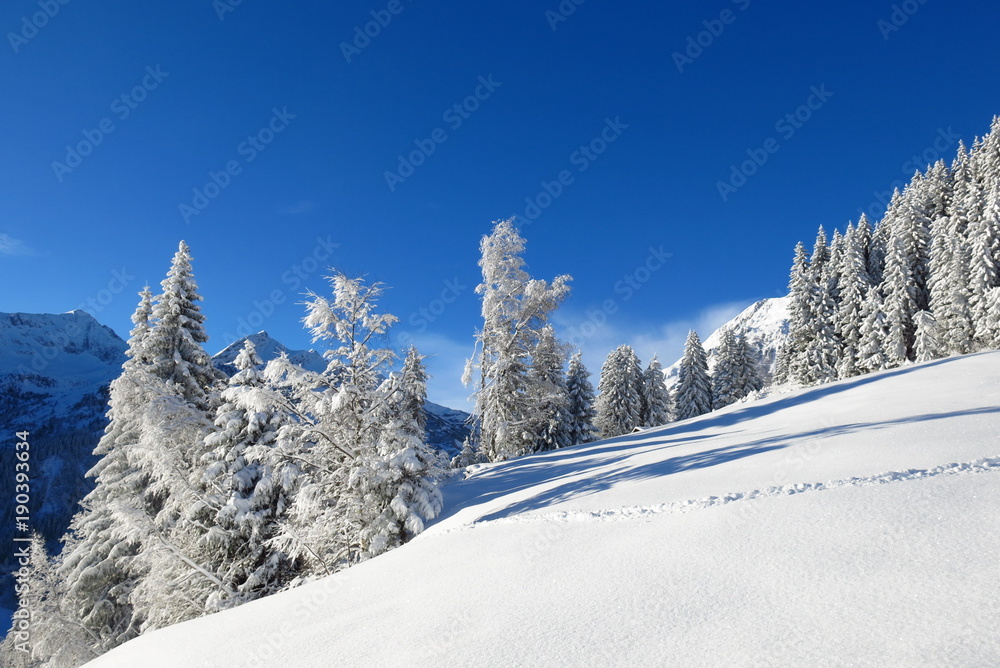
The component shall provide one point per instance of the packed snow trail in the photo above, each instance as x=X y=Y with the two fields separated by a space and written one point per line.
x=987 y=464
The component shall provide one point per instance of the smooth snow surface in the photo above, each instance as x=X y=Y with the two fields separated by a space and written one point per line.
x=850 y=524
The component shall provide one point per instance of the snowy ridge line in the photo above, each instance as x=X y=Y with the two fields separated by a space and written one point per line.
x=984 y=465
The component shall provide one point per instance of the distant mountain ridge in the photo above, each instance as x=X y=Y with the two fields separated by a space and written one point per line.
x=765 y=326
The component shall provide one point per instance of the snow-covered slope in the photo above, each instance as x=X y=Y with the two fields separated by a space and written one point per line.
x=849 y=524
x=764 y=324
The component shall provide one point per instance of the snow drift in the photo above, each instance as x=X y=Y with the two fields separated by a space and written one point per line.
x=849 y=524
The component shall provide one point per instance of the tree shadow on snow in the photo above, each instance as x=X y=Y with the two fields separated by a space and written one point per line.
x=571 y=465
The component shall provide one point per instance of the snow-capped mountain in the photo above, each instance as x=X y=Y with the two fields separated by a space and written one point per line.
x=764 y=324
x=848 y=524
x=268 y=349
x=446 y=427
x=54 y=373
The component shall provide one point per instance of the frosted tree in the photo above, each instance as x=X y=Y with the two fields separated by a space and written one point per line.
x=392 y=490
x=340 y=427
x=515 y=308
x=819 y=360
x=655 y=396
x=874 y=332
x=848 y=319
x=749 y=357
x=167 y=456
x=990 y=331
x=928 y=337
x=44 y=631
x=870 y=259
x=581 y=411
x=984 y=270
x=791 y=358
x=727 y=385
x=899 y=305
x=619 y=402
x=550 y=420
x=693 y=393
x=98 y=566
x=246 y=490
x=735 y=374
x=174 y=344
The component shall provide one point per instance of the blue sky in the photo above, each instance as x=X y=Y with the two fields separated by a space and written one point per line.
x=292 y=141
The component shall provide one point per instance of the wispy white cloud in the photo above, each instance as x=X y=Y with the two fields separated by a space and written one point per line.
x=11 y=246
x=301 y=207
x=665 y=340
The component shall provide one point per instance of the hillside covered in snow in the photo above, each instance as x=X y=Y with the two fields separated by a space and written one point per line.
x=848 y=524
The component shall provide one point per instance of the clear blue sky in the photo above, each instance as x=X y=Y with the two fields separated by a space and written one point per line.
x=212 y=91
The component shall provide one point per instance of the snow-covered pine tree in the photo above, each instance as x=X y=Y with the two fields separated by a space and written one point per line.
x=581 y=402
x=619 y=402
x=175 y=421
x=871 y=261
x=819 y=360
x=748 y=356
x=515 y=308
x=791 y=358
x=727 y=376
x=928 y=337
x=246 y=491
x=44 y=632
x=394 y=486
x=991 y=330
x=98 y=568
x=550 y=421
x=853 y=288
x=984 y=270
x=898 y=305
x=655 y=396
x=693 y=393
x=339 y=426
x=874 y=332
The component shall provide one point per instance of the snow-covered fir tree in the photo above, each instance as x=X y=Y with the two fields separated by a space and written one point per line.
x=656 y=400
x=735 y=374
x=619 y=402
x=394 y=486
x=581 y=411
x=693 y=393
x=98 y=568
x=853 y=288
x=874 y=332
x=246 y=490
x=550 y=421
x=791 y=358
x=928 y=344
x=515 y=308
